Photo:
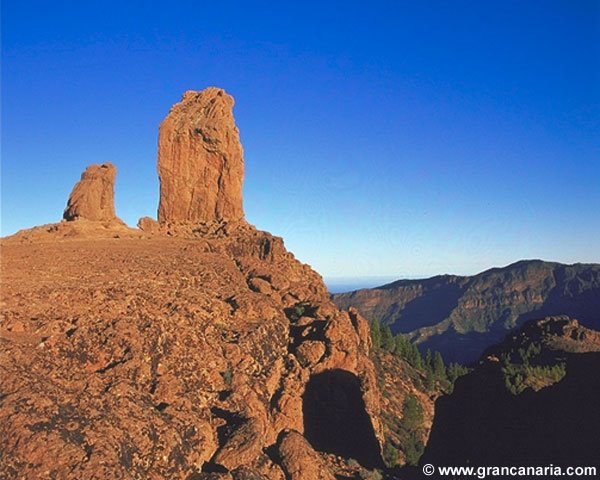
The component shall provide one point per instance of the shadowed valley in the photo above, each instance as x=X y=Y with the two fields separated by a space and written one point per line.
x=462 y=316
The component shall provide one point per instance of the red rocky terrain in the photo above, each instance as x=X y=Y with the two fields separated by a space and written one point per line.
x=195 y=347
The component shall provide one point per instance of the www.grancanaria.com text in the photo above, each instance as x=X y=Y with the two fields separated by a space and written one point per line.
x=491 y=472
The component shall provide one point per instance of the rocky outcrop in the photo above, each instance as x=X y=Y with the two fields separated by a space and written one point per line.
x=554 y=419
x=200 y=160
x=161 y=357
x=93 y=197
x=300 y=461
x=148 y=225
x=186 y=351
x=90 y=213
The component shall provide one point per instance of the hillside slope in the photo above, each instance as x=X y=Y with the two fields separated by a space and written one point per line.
x=552 y=417
x=462 y=316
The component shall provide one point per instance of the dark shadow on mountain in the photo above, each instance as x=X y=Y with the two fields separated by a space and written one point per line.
x=433 y=306
x=483 y=424
x=335 y=418
x=463 y=348
x=483 y=307
x=574 y=295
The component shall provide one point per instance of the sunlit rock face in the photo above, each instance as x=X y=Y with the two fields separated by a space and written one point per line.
x=200 y=160
x=93 y=197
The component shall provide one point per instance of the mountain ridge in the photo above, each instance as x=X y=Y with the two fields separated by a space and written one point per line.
x=462 y=315
x=516 y=263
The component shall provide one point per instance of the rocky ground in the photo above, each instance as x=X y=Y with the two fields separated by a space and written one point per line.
x=162 y=357
x=195 y=347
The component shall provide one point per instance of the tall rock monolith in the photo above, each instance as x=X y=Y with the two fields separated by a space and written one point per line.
x=200 y=160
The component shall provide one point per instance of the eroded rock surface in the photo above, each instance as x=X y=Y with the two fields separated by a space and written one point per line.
x=300 y=461
x=184 y=349
x=93 y=197
x=159 y=357
x=200 y=160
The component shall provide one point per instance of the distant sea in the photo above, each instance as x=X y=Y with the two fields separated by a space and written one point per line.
x=343 y=284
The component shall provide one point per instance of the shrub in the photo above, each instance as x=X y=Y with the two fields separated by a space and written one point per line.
x=298 y=311
x=519 y=377
x=413 y=449
x=371 y=475
x=412 y=413
x=227 y=376
x=390 y=454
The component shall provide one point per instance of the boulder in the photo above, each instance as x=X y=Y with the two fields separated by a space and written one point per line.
x=299 y=460
x=148 y=225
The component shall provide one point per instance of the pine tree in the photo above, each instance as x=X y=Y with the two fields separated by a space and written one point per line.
x=390 y=454
x=429 y=359
x=454 y=371
x=376 y=333
x=414 y=357
x=387 y=339
x=412 y=413
x=401 y=348
x=429 y=380
x=439 y=369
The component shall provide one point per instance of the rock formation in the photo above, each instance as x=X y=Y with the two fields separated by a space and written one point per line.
x=148 y=225
x=93 y=197
x=299 y=460
x=164 y=356
x=201 y=349
x=200 y=160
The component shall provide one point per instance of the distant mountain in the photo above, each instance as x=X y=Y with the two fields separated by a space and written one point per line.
x=532 y=400
x=461 y=316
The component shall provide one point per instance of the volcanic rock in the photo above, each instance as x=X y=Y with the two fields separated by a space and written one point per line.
x=200 y=160
x=299 y=460
x=93 y=197
x=154 y=355
x=148 y=225
x=182 y=350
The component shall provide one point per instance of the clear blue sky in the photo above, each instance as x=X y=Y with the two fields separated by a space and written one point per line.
x=381 y=138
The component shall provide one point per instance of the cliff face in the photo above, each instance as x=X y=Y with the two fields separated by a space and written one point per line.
x=552 y=419
x=197 y=348
x=462 y=316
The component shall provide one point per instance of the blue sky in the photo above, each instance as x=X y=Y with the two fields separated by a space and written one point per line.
x=386 y=139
